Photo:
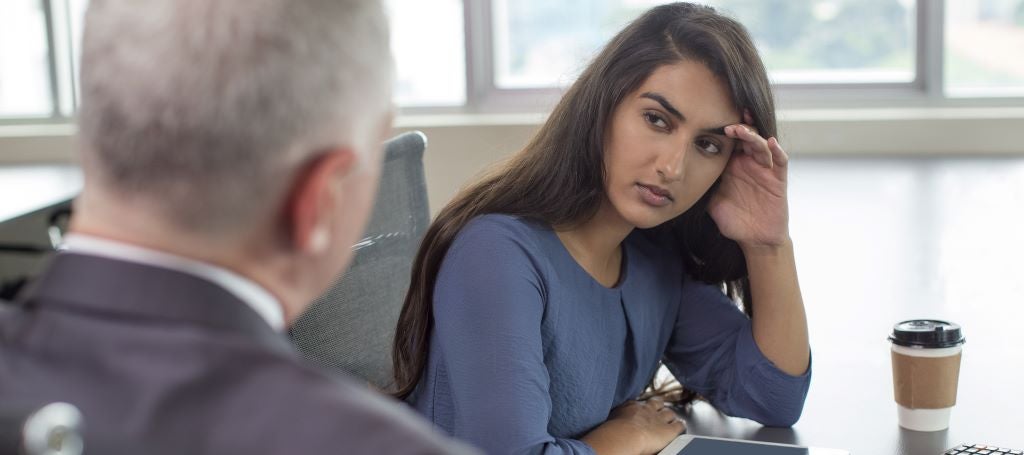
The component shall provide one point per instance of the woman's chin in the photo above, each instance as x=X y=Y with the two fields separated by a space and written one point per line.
x=647 y=220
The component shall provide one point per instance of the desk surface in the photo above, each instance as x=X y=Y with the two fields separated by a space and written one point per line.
x=26 y=189
x=850 y=405
x=881 y=242
x=853 y=402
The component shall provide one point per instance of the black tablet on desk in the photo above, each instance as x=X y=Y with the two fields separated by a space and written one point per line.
x=702 y=445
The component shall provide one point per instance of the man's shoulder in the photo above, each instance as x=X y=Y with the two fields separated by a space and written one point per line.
x=324 y=412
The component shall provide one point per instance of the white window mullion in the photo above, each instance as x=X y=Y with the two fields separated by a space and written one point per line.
x=62 y=57
x=931 y=48
x=51 y=57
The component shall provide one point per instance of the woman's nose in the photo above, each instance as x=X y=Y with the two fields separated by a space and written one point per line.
x=672 y=164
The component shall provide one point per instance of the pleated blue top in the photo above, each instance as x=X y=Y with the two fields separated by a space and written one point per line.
x=529 y=353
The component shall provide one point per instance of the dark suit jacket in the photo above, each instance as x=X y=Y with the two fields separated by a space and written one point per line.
x=162 y=362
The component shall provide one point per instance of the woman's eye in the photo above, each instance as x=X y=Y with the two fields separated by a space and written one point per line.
x=709 y=147
x=655 y=119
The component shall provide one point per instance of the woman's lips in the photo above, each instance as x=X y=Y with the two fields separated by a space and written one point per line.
x=654 y=196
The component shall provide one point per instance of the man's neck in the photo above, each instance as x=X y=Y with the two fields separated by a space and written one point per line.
x=256 y=296
x=252 y=261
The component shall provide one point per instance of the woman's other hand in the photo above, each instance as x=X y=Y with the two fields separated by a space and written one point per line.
x=636 y=427
x=750 y=206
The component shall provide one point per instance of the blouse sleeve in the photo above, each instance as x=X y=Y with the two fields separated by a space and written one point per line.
x=488 y=305
x=712 y=352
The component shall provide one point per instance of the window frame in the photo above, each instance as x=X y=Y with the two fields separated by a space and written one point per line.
x=60 y=67
x=484 y=97
x=925 y=90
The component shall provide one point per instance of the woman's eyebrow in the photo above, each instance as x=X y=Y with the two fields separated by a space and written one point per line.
x=719 y=130
x=665 y=104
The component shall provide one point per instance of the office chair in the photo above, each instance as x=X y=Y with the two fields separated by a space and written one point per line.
x=352 y=326
x=53 y=429
x=56 y=224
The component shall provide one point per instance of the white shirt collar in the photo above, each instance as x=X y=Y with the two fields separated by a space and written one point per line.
x=261 y=301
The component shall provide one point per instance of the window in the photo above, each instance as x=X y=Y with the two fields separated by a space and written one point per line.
x=24 y=61
x=503 y=55
x=538 y=43
x=833 y=41
x=428 y=44
x=983 y=46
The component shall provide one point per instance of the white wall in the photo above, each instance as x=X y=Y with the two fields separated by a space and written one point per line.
x=461 y=146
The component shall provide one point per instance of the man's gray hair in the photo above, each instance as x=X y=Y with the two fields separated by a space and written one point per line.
x=207 y=109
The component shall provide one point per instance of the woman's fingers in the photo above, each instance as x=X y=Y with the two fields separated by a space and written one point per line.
x=752 y=144
x=766 y=152
x=676 y=427
x=655 y=419
x=779 y=156
x=655 y=403
x=680 y=425
x=668 y=415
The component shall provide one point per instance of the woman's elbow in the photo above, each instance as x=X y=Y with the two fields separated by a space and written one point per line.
x=770 y=410
x=781 y=418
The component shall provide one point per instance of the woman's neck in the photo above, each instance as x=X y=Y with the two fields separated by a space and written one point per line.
x=597 y=244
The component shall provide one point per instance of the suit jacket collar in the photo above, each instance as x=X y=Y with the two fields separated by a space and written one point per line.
x=92 y=284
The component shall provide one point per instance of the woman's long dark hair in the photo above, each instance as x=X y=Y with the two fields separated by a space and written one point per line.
x=558 y=179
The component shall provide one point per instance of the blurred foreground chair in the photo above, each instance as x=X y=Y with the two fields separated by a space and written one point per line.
x=53 y=429
x=352 y=326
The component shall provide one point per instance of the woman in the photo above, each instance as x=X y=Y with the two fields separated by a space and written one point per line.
x=544 y=296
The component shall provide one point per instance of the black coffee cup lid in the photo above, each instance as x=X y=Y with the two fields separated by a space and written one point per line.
x=927 y=333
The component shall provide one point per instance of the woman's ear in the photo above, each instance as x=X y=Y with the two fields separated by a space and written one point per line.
x=315 y=198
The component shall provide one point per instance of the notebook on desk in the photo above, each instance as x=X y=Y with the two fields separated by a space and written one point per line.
x=703 y=445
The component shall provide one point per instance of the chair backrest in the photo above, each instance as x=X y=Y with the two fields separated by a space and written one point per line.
x=352 y=326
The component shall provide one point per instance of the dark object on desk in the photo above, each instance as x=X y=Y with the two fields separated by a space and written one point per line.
x=351 y=327
x=56 y=225
x=688 y=444
x=23 y=249
x=53 y=429
x=10 y=288
x=981 y=449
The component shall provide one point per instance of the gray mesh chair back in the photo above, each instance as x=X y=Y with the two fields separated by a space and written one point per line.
x=352 y=326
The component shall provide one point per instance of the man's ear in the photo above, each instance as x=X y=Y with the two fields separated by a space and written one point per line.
x=314 y=197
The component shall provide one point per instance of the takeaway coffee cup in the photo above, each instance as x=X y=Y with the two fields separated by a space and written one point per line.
x=925 y=371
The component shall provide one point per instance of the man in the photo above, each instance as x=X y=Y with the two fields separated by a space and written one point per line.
x=231 y=153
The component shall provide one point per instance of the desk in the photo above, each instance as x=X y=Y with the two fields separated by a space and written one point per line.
x=28 y=189
x=850 y=406
x=882 y=241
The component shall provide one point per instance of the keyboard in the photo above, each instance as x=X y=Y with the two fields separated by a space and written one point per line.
x=981 y=449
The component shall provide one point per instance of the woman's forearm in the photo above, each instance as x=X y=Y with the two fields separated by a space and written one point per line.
x=779 y=321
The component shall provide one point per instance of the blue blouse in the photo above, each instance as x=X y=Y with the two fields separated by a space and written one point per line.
x=528 y=352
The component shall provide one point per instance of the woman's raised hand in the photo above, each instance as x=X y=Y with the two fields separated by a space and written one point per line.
x=750 y=206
